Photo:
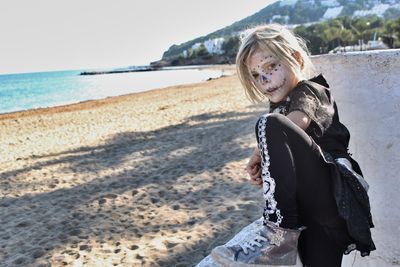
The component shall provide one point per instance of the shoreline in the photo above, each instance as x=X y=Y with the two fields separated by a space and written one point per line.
x=90 y=103
x=151 y=68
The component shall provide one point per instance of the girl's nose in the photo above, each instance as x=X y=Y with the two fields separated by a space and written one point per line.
x=264 y=78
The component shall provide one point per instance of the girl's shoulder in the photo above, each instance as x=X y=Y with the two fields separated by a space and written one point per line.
x=308 y=96
x=316 y=87
x=313 y=98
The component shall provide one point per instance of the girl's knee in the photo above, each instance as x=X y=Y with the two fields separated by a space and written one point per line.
x=276 y=119
x=271 y=122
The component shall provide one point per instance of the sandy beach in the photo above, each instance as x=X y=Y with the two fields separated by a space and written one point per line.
x=148 y=179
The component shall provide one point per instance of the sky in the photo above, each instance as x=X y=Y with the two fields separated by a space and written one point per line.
x=46 y=35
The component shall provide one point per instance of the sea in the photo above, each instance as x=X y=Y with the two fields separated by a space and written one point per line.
x=25 y=91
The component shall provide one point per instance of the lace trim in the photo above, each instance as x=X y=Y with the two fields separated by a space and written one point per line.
x=256 y=241
x=268 y=181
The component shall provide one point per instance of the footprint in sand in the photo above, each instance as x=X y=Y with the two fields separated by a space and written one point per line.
x=170 y=244
x=37 y=253
x=19 y=261
x=134 y=247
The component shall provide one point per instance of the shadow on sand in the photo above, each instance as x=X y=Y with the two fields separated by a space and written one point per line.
x=146 y=166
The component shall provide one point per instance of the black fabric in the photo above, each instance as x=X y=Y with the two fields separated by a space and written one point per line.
x=353 y=206
x=319 y=248
x=304 y=193
x=314 y=99
x=331 y=138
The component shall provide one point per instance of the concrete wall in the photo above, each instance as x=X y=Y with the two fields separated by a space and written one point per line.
x=366 y=87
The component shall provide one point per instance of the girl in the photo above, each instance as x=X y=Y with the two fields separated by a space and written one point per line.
x=315 y=197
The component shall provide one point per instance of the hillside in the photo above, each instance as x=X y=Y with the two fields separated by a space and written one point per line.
x=294 y=12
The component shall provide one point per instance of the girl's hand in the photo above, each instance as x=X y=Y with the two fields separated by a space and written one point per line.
x=253 y=168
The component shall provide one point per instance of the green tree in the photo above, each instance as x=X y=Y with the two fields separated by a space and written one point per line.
x=394 y=28
x=202 y=51
x=231 y=46
x=388 y=33
x=335 y=34
x=365 y=27
x=191 y=53
x=312 y=37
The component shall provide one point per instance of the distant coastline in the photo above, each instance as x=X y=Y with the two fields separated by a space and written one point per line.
x=121 y=70
x=146 y=68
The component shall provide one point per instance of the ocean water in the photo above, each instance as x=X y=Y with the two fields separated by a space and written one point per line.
x=46 y=89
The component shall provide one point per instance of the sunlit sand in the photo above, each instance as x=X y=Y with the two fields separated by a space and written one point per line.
x=148 y=179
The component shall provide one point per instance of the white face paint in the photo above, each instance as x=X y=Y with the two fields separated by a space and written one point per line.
x=272 y=78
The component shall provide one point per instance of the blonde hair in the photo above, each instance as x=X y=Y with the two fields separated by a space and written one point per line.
x=291 y=50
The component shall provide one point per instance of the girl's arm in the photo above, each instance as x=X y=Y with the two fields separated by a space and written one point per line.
x=253 y=167
x=300 y=119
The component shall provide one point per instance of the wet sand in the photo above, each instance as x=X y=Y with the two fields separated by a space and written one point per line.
x=148 y=179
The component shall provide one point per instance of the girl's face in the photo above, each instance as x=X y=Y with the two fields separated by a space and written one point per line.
x=271 y=77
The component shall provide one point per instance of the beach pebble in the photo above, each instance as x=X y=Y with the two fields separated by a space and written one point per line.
x=134 y=247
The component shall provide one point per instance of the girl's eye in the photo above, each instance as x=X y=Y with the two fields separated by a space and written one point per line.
x=271 y=66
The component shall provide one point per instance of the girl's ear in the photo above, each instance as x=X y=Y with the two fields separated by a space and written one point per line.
x=299 y=59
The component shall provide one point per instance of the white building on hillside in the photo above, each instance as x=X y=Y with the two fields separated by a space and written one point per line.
x=376 y=10
x=308 y=2
x=214 y=46
x=330 y=3
x=332 y=12
x=287 y=2
x=196 y=46
x=279 y=19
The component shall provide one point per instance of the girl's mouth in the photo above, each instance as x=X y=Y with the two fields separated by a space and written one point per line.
x=273 y=89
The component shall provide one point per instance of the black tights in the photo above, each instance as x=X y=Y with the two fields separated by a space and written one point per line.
x=303 y=192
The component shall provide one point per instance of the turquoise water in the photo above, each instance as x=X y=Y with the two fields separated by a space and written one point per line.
x=46 y=89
